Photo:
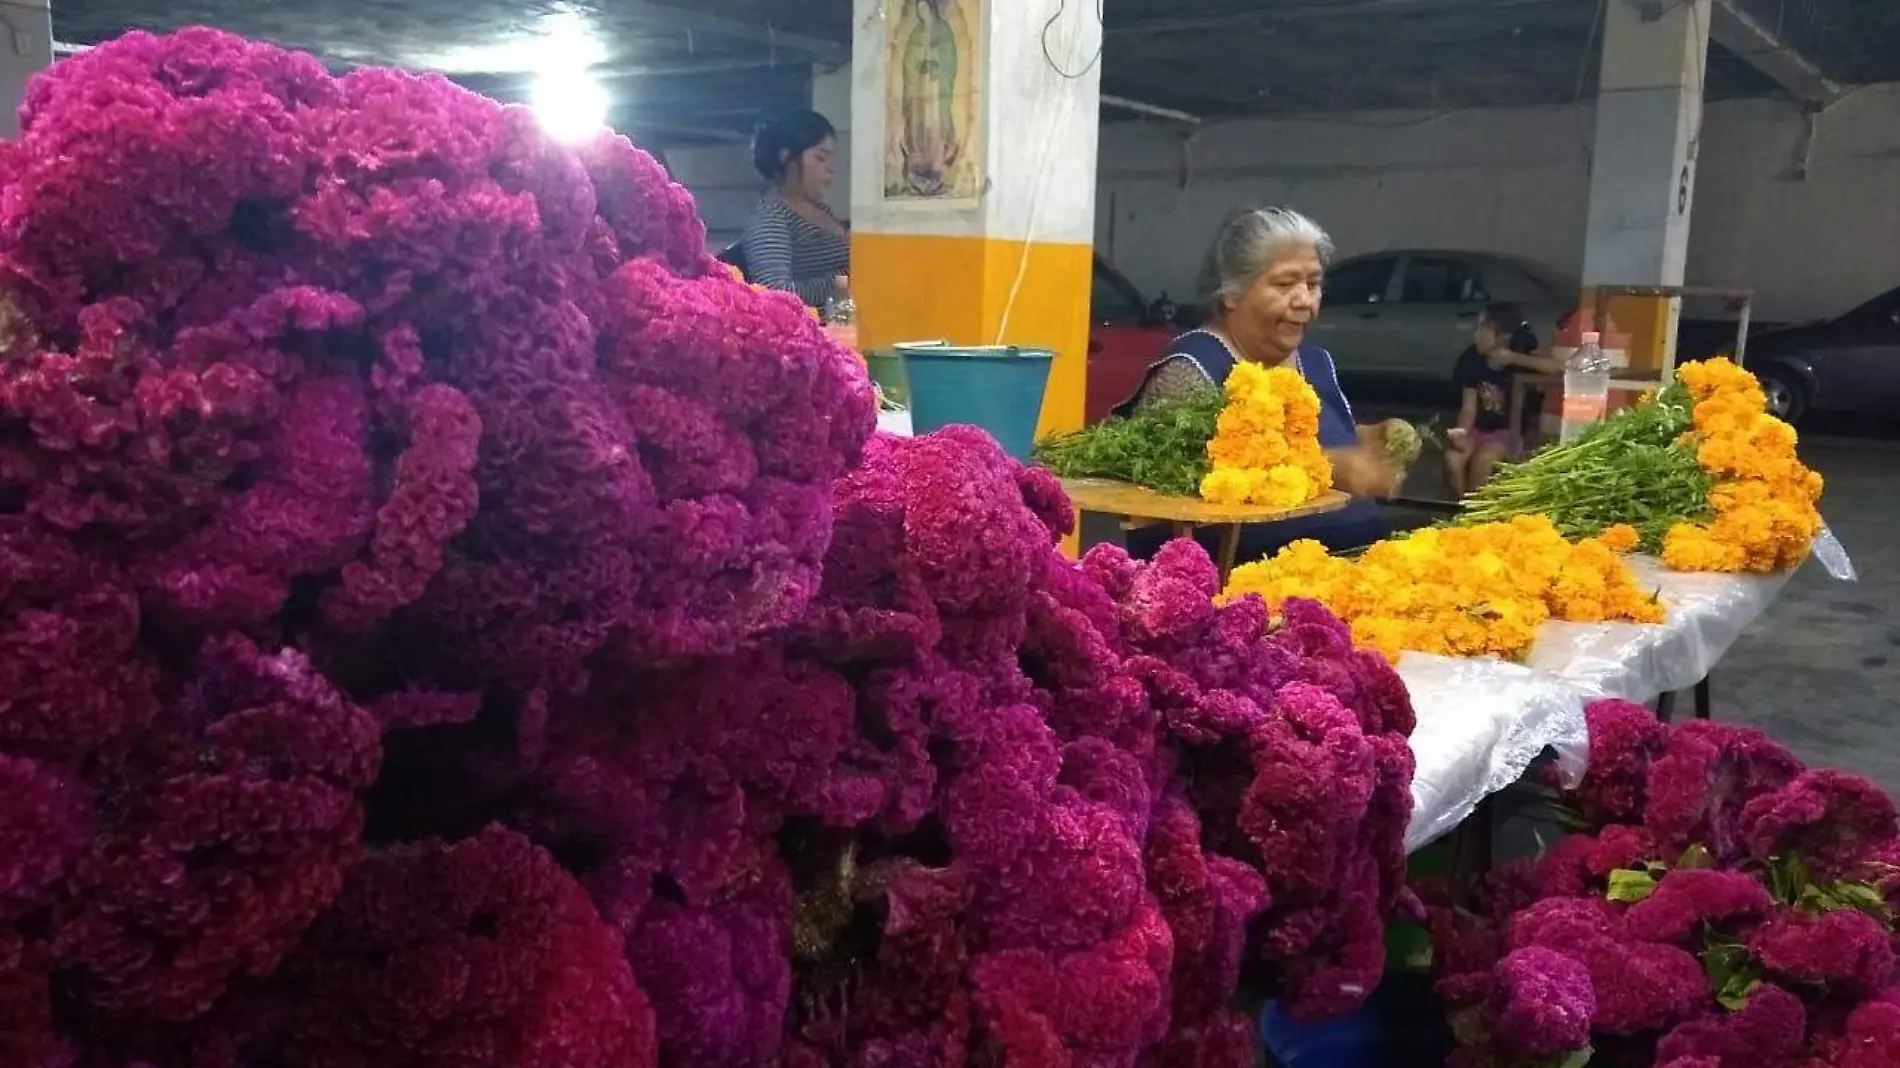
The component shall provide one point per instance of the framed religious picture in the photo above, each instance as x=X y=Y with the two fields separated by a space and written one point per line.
x=933 y=96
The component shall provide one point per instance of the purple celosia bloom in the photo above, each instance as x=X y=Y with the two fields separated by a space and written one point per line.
x=1832 y=819
x=567 y=529
x=1641 y=987
x=1768 y=1032
x=241 y=816
x=1699 y=788
x=1686 y=900
x=720 y=977
x=479 y=953
x=1872 y=1035
x=1542 y=1005
x=1624 y=739
x=1848 y=950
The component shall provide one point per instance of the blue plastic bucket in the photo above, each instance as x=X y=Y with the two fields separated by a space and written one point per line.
x=1401 y=1026
x=998 y=388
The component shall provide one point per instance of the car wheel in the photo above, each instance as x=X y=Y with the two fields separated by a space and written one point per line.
x=1787 y=395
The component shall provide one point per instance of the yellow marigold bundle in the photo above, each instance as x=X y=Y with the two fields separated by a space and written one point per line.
x=1762 y=505
x=1265 y=448
x=1461 y=591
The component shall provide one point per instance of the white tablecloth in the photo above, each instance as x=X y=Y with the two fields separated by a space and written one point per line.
x=1482 y=722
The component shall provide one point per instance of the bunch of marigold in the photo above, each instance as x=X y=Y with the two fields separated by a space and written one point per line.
x=1265 y=448
x=1762 y=505
x=1460 y=591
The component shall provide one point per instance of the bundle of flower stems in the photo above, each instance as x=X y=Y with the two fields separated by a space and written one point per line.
x=1638 y=467
x=1163 y=446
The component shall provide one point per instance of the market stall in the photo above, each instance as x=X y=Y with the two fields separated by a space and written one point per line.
x=446 y=619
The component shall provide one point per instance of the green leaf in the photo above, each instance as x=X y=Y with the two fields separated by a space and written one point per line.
x=1840 y=897
x=1734 y=997
x=1579 y=1059
x=1723 y=961
x=1696 y=858
x=1629 y=886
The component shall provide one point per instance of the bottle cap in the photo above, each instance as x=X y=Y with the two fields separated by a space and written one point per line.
x=1591 y=337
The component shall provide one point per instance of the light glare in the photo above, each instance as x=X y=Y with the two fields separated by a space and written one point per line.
x=571 y=105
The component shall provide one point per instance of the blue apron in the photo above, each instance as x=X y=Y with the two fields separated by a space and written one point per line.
x=1356 y=525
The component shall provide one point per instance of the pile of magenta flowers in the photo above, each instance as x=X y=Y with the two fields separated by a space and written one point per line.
x=1732 y=909
x=446 y=621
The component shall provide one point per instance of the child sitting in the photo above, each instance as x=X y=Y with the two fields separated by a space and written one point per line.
x=1503 y=344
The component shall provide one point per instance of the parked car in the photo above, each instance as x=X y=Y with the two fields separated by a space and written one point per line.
x=1408 y=314
x=1848 y=364
x=1126 y=334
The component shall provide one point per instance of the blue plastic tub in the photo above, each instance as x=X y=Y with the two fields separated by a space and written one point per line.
x=998 y=388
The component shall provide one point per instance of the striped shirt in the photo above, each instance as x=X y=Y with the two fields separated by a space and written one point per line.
x=786 y=251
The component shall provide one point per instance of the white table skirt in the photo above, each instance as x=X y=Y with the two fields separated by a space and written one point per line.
x=1482 y=722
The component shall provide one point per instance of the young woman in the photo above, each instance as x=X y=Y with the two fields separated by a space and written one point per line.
x=793 y=242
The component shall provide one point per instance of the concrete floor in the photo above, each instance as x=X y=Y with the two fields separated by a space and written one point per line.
x=1821 y=670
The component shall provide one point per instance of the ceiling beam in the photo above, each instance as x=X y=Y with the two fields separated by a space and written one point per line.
x=1304 y=12
x=690 y=21
x=1762 y=48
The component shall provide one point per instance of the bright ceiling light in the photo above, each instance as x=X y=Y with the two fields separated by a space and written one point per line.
x=571 y=105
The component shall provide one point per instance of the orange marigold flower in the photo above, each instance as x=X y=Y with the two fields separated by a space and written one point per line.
x=1265 y=448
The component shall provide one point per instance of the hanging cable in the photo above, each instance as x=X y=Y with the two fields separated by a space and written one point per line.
x=1062 y=7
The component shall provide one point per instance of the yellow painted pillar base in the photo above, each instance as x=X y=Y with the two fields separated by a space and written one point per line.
x=959 y=290
x=982 y=291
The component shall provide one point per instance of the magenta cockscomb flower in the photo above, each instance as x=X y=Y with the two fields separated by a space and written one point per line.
x=479 y=953
x=1767 y=1032
x=1830 y=818
x=377 y=474
x=232 y=830
x=1848 y=950
x=1686 y=901
x=1542 y=1005
x=1624 y=739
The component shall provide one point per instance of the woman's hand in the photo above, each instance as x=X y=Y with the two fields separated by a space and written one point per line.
x=1374 y=435
x=1363 y=472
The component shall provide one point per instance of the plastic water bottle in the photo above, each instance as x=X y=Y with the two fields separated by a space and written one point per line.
x=840 y=309
x=1586 y=386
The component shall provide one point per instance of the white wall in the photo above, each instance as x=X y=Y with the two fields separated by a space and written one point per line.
x=1517 y=181
x=1510 y=180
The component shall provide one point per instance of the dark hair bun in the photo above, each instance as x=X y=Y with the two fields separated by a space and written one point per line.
x=786 y=138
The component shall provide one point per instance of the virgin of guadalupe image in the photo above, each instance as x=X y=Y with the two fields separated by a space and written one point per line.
x=930 y=145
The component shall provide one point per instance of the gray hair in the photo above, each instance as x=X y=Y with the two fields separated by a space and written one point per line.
x=1249 y=244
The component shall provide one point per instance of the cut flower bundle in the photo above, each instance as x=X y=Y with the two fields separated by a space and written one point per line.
x=446 y=620
x=1254 y=442
x=1265 y=448
x=1730 y=909
x=1708 y=478
x=1460 y=591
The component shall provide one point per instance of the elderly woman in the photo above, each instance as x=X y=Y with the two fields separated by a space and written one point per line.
x=1271 y=267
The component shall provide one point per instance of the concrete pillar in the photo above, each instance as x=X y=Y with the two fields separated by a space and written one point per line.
x=1642 y=175
x=26 y=48
x=973 y=209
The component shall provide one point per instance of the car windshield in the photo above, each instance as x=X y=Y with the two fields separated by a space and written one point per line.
x=1884 y=306
x=1113 y=299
